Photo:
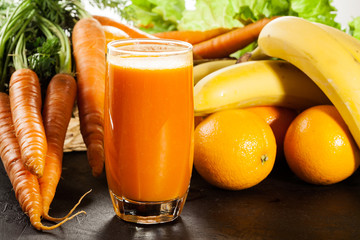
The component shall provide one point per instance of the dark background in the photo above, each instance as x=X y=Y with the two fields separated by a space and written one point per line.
x=280 y=207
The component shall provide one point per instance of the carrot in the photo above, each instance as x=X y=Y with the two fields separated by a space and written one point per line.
x=113 y=33
x=58 y=105
x=25 y=184
x=89 y=52
x=132 y=31
x=227 y=43
x=25 y=99
x=192 y=37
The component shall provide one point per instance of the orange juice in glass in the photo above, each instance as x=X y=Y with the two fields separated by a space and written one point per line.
x=149 y=126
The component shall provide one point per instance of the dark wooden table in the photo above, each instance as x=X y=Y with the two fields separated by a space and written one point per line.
x=280 y=207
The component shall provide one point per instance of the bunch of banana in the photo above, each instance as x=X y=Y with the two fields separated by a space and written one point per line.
x=329 y=57
x=253 y=83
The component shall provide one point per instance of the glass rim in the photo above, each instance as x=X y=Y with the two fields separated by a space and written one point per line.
x=185 y=47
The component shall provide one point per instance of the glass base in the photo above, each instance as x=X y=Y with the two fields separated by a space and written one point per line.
x=147 y=212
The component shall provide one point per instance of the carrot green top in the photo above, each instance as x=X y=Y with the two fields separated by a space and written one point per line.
x=34 y=35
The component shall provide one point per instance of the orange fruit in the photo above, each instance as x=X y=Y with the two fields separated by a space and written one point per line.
x=197 y=120
x=319 y=148
x=279 y=119
x=234 y=149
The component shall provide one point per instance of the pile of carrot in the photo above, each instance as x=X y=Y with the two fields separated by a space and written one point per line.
x=24 y=139
x=35 y=192
x=32 y=131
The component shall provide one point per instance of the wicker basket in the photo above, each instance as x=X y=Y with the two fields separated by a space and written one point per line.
x=73 y=139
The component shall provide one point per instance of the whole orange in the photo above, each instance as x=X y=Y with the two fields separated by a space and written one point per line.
x=279 y=119
x=234 y=149
x=319 y=148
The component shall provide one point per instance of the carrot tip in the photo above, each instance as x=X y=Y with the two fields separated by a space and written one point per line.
x=49 y=218
x=36 y=167
x=43 y=227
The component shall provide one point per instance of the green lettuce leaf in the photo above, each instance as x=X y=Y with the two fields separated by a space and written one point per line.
x=354 y=27
x=233 y=13
x=252 y=10
x=209 y=14
x=166 y=15
x=316 y=11
x=155 y=15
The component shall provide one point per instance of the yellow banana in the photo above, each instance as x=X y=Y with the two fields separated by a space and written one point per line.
x=254 y=83
x=206 y=68
x=323 y=58
x=350 y=43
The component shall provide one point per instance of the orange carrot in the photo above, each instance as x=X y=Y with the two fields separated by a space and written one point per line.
x=88 y=39
x=192 y=37
x=25 y=99
x=132 y=31
x=113 y=33
x=58 y=105
x=227 y=43
x=25 y=184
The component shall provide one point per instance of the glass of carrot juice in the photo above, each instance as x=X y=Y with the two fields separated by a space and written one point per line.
x=149 y=127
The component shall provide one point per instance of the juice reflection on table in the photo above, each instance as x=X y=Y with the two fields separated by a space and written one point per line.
x=149 y=127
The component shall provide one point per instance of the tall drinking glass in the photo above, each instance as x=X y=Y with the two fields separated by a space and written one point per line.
x=149 y=126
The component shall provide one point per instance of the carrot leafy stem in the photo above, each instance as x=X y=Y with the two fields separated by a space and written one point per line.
x=35 y=34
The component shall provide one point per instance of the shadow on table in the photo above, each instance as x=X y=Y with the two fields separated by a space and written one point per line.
x=119 y=228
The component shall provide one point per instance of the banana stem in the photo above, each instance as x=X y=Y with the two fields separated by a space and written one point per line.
x=258 y=54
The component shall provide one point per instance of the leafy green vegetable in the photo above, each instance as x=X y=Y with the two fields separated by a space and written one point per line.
x=155 y=15
x=5 y=8
x=149 y=15
x=354 y=27
x=41 y=41
x=10 y=33
x=102 y=4
x=165 y=15
x=246 y=49
x=317 y=11
x=232 y=13
x=250 y=11
x=43 y=59
x=210 y=14
x=61 y=12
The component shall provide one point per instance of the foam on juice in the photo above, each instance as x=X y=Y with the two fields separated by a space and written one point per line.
x=156 y=58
